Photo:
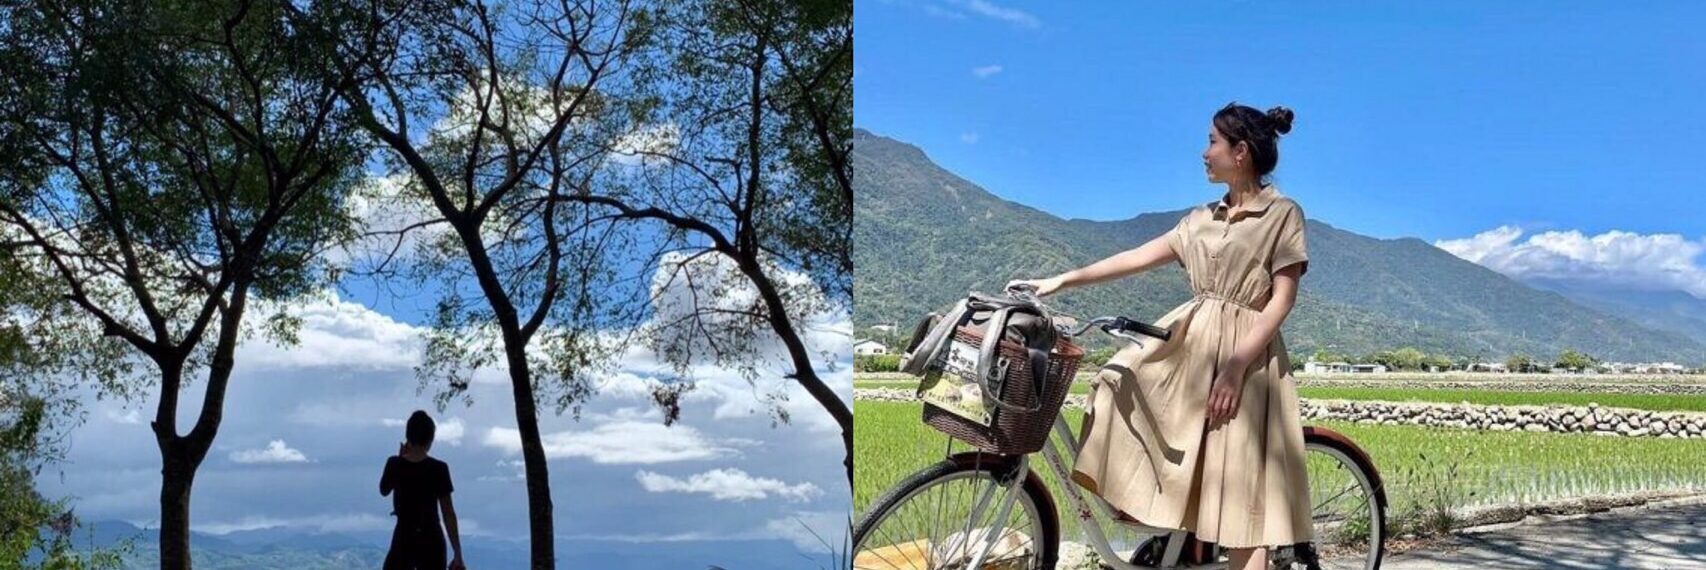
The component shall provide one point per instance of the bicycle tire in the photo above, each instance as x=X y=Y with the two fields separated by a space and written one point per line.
x=958 y=465
x=1358 y=460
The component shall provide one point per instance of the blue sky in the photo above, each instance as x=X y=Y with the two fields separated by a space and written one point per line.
x=307 y=429
x=1529 y=136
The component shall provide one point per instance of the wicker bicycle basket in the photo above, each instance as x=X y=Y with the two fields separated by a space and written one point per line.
x=1014 y=431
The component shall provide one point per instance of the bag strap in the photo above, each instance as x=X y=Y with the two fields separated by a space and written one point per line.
x=995 y=332
x=926 y=352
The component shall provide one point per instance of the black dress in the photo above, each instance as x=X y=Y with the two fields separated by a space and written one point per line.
x=418 y=541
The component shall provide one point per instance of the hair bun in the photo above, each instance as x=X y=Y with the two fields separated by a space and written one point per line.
x=1281 y=118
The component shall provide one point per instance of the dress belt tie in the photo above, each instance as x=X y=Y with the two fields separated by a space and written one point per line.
x=1220 y=297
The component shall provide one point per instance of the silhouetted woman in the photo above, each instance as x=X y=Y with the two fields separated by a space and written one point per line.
x=422 y=486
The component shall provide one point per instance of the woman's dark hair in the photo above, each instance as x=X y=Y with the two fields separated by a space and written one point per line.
x=420 y=428
x=1261 y=131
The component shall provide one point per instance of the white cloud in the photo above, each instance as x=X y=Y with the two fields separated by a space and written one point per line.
x=985 y=71
x=276 y=452
x=322 y=523
x=968 y=138
x=643 y=144
x=728 y=485
x=336 y=334
x=451 y=431
x=1614 y=258
x=827 y=334
x=391 y=214
x=619 y=442
x=941 y=12
x=448 y=431
x=1013 y=16
x=811 y=530
x=126 y=416
x=818 y=532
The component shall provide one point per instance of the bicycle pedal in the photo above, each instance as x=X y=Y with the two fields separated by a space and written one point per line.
x=1302 y=553
x=1149 y=553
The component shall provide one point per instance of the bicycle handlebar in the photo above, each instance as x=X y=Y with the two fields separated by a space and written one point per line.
x=1117 y=326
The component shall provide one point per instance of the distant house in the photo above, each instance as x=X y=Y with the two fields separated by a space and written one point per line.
x=1663 y=368
x=1324 y=367
x=869 y=348
x=1645 y=368
x=1487 y=367
x=1341 y=367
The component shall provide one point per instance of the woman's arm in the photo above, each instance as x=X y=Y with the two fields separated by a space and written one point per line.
x=1132 y=261
x=1229 y=383
x=449 y=510
x=1272 y=316
x=385 y=482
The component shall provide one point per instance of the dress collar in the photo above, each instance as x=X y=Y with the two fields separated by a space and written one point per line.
x=1257 y=203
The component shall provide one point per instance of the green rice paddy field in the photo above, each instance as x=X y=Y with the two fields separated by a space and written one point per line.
x=1491 y=468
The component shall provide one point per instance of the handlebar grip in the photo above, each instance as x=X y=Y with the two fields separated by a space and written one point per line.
x=1143 y=328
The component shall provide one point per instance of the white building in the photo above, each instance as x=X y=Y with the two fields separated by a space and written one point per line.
x=869 y=348
x=1645 y=367
x=1342 y=367
x=1487 y=367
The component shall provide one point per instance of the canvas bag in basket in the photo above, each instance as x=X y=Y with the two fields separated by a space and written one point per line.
x=999 y=392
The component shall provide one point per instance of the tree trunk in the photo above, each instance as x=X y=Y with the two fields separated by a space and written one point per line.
x=801 y=357
x=541 y=523
x=176 y=476
x=181 y=456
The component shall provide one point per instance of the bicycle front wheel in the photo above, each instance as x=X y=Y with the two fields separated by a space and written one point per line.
x=948 y=514
x=1348 y=504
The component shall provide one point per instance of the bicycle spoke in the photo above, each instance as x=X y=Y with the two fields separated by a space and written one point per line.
x=946 y=523
x=1335 y=497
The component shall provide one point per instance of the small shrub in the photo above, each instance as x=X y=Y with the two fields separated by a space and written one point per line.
x=877 y=363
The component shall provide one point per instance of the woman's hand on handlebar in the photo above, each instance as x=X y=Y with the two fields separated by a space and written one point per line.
x=1043 y=287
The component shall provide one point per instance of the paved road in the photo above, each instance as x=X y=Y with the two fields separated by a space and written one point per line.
x=1661 y=537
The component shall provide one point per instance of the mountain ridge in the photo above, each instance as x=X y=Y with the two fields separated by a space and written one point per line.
x=924 y=236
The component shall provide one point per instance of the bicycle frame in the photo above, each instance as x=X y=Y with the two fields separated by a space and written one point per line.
x=1082 y=506
x=1081 y=509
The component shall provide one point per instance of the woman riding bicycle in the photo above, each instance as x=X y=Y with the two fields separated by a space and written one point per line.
x=1203 y=432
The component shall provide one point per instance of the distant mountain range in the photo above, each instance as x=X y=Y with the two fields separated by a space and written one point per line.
x=280 y=549
x=1673 y=311
x=924 y=236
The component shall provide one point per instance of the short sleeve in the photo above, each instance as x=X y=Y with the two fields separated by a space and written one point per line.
x=386 y=482
x=1176 y=237
x=444 y=480
x=1290 y=245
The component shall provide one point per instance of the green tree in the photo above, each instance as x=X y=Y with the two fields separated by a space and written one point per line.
x=1440 y=361
x=760 y=97
x=1571 y=360
x=34 y=415
x=167 y=163
x=492 y=117
x=1408 y=358
x=1519 y=362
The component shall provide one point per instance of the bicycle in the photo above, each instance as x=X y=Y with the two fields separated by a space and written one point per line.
x=909 y=525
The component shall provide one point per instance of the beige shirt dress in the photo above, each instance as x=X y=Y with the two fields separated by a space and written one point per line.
x=1145 y=447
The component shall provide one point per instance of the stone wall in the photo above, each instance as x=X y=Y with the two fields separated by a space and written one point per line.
x=1598 y=420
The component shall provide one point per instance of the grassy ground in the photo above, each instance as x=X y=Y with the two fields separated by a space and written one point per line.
x=1659 y=403
x=1422 y=466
